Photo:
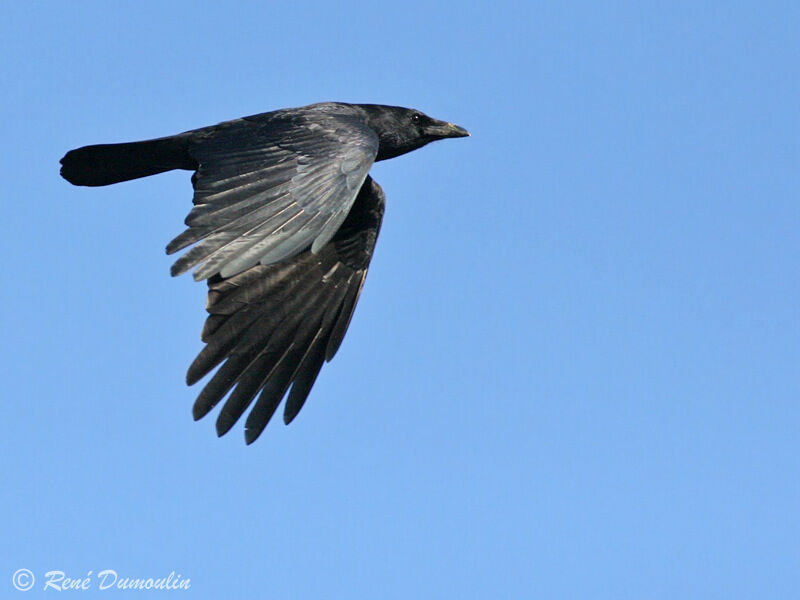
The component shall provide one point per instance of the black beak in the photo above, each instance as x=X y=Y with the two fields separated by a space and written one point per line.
x=442 y=129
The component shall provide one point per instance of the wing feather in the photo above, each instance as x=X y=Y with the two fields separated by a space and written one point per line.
x=268 y=188
x=272 y=326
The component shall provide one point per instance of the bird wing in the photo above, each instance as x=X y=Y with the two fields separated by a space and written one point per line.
x=267 y=188
x=272 y=326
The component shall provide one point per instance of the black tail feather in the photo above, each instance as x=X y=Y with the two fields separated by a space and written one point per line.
x=105 y=164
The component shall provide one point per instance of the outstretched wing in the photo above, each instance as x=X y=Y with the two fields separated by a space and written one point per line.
x=269 y=186
x=272 y=326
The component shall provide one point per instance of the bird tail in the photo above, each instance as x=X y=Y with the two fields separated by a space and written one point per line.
x=105 y=164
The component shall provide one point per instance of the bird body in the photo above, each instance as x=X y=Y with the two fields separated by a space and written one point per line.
x=283 y=228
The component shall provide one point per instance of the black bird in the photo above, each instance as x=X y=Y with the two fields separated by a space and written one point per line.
x=283 y=228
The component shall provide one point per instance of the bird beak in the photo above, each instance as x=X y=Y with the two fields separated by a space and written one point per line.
x=441 y=129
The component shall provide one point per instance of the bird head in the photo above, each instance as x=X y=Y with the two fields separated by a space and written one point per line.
x=402 y=130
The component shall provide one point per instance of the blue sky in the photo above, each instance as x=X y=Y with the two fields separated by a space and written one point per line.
x=573 y=372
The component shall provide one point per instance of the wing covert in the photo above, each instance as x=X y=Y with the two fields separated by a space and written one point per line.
x=266 y=189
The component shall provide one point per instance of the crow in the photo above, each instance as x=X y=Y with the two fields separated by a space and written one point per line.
x=283 y=228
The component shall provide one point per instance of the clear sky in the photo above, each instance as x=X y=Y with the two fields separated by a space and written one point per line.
x=574 y=369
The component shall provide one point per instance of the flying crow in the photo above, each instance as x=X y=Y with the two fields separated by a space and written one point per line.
x=283 y=227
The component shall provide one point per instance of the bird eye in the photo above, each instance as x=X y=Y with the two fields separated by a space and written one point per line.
x=416 y=117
